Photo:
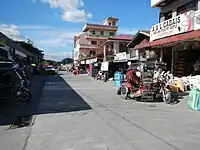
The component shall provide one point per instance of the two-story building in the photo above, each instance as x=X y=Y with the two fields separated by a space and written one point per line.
x=87 y=45
x=115 y=50
x=140 y=38
x=176 y=35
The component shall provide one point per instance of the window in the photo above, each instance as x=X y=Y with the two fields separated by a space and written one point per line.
x=94 y=42
x=102 y=33
x=93 y=32
x=113 y=23
x=191 y=5
x=109 y=23
x=92 y=53
x=111 y=33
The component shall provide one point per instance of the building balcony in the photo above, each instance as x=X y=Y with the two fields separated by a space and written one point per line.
x=89 y=46
x=94 y=36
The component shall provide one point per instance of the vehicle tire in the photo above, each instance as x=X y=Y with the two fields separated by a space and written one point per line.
x=124 y=92
x=167 y=97
x=25 y=95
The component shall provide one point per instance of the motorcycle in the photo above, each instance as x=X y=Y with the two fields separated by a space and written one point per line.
x=22 y=93
x=12 y=85
x=24 y=77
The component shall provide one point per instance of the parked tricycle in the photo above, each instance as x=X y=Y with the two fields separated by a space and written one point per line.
x=146 y=84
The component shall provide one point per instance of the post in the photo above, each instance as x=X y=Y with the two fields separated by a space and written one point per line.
x=172 y=61
x=161 y=54
x=104 y=52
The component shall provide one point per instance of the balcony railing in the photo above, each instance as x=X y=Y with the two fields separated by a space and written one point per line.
x=96 y=36
x=88 y=46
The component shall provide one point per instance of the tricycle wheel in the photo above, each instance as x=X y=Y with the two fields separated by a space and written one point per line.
x=124 y=92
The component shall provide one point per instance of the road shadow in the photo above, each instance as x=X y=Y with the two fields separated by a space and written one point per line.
x=11 y=110
x=60 y=97
x=50 y=94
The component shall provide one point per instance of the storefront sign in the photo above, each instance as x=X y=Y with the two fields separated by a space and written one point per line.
x=197 y=20
x=179 y=24
x=104 y=66
x=120 y=56
x=90 y=61
x=83 y=62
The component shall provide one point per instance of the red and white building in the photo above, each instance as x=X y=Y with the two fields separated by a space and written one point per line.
x=87 y=46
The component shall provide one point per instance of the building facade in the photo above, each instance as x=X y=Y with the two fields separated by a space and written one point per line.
x=88 y=44
x=173 y=8
x=177 y=35
x=115 y=46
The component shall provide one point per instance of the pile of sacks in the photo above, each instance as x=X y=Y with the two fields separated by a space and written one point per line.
x=185 y=83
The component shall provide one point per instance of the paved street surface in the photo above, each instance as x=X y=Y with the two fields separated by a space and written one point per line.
x=16 y=139
x=80 y=113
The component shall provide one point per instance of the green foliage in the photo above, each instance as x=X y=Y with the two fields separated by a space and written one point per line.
x=67 y=60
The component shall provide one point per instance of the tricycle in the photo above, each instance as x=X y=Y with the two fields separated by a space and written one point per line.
x=148 y=83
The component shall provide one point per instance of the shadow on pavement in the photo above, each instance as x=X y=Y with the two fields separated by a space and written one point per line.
x=10 y=111
x=50 y=94
x=59 y=97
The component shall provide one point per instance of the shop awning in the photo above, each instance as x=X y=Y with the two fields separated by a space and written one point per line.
x=172 y=39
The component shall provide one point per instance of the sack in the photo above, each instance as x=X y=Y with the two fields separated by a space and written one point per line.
x=194 y=99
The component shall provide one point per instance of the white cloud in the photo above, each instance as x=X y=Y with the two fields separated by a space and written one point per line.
x=11 y=31
x=57 y=56
x=44 y=37
x=72 y=9
x=56 y=43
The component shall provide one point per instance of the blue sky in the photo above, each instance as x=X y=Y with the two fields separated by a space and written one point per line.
x=51 y=24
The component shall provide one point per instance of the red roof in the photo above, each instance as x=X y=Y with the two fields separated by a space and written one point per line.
x=122 y=37
x=171 y=39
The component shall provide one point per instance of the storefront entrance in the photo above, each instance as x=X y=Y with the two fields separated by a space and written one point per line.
x=184 y=61
x=167 y=57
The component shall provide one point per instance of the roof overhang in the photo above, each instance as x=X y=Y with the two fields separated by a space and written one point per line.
x=185 y=37
x=160 y=3
x=114 y=40
x=87 y=26
x=136 y=36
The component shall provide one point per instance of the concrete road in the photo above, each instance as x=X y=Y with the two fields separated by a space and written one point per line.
x=80 y=113
x=15 y=139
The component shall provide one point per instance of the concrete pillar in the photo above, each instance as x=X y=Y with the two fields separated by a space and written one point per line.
x=104 y=52
x=161 y=54
x=115 y=48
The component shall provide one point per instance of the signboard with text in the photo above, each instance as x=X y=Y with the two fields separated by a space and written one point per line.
x=120 y=56
x=179 y=24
